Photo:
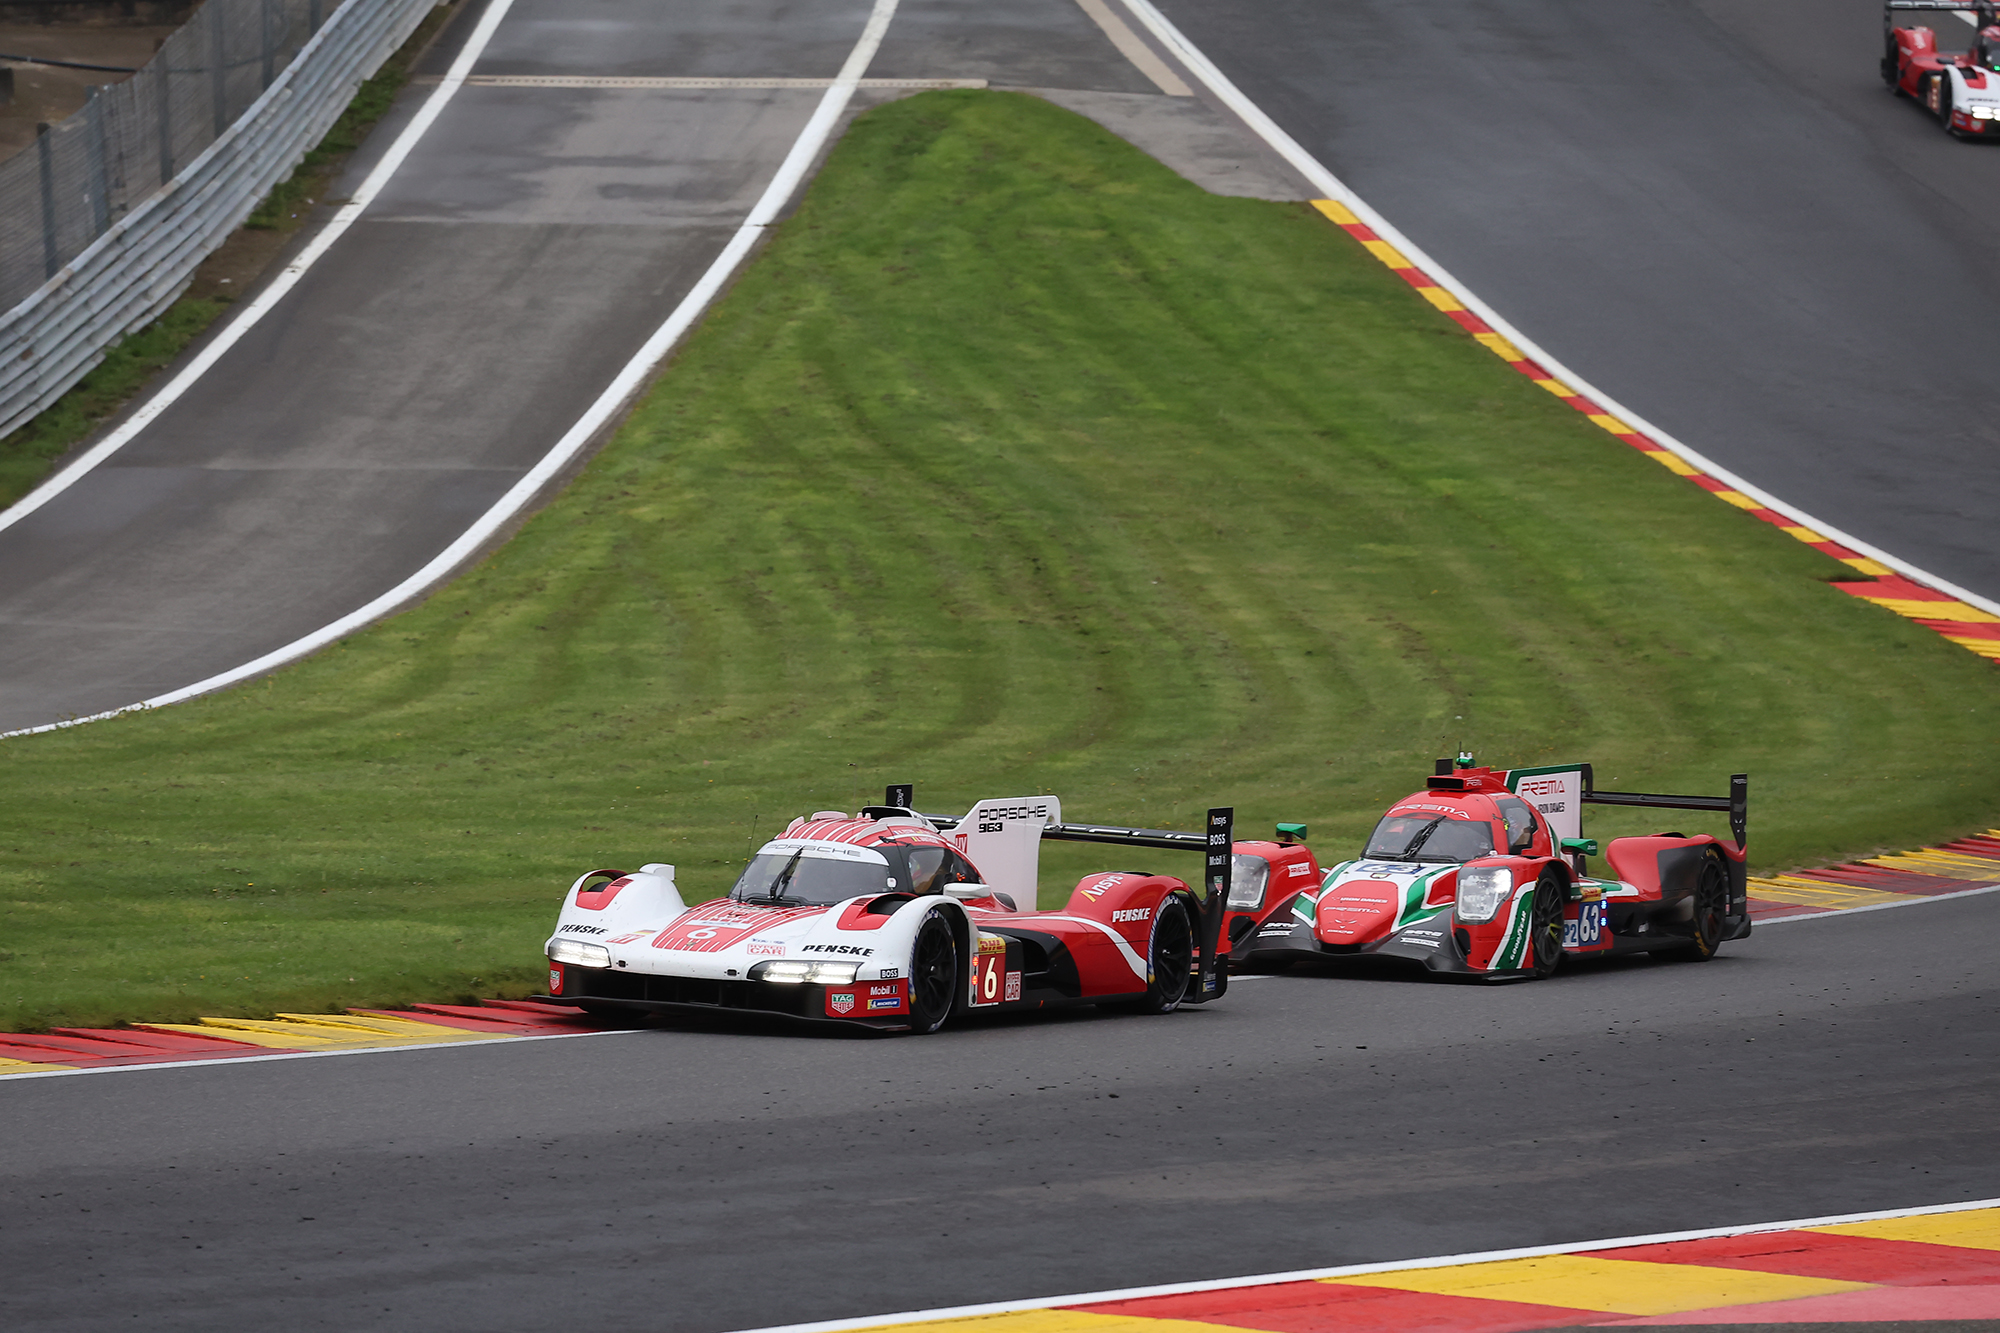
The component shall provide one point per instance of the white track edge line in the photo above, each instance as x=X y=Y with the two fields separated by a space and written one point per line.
x=1354 y=1270
x=287 y=278
x=1317 y=174
x=453 y=1044
x=1909 y=900
x=628 y=382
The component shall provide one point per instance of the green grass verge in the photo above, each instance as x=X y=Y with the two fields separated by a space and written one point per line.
x=1014 y=464
x=28 y=453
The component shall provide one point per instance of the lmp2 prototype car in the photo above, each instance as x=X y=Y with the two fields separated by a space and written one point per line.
x=1483 y=874
x=892 y=919
x=1962 y=89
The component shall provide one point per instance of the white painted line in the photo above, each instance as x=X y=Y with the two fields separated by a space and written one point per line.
x=1911 y=900
x=626 y=385
x=1355 y=1270
x=670 y=83
x=288 y=278
x=448 y=1044
x=1333 y=188
x=1134 y=50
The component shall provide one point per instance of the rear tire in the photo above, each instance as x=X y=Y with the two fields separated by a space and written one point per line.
x=933 y=973
x=1170 y=958
x=1545 y=926
x=1711 y=911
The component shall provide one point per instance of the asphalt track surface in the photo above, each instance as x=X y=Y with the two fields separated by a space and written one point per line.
x=525 y=250
x=1713 y=210
x=711 y=1177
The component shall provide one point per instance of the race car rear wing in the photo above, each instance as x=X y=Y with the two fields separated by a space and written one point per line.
x=1557 y=789
x=1983 y=10
x=1211 y=977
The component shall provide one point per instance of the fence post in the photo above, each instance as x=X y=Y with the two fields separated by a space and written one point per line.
x=100 y=173
x=218 y=72
x=264 y=17
x=51 y=255
x=164 y=82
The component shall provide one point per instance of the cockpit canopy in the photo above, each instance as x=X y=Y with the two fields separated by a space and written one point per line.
x=802 y=875
x=1422 y=836
x=797 y=873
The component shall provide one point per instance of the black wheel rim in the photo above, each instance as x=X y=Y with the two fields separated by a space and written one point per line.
x=1710 y=906
x=932 y=970
x=1173 y=953
x=1548 y=924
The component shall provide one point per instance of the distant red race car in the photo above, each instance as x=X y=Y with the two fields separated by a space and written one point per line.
x=1960 y=88
x=1483 y=874
x=897 y=920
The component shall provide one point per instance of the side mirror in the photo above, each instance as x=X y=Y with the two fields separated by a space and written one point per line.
x=1582 y=846
x=1291 y=833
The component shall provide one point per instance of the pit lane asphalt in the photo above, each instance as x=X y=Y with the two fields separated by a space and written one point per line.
x=1711 y=209
x=709 y=1176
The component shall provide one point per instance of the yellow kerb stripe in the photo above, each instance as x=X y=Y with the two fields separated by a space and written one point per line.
x=1387 y=253
x=1441 y=298
x=1950 y=865
x=1339 y=212
x=26 y=1067
x=1556 y=387
x=1672 y=462
x=1974 y=1229
x=1058 y=1321
x=1818 y=893
x=1945 y=610
x=1623 y=1286
x=1611 y=423
x=1874 y=568
x=1499 y=346
x=1804 y=534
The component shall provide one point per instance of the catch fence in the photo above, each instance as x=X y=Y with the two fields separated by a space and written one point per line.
x=104 y=218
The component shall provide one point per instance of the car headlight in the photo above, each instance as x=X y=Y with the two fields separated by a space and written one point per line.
x=791 y=973
x=1982 y=113
x=1481 y=890
x=580 y=954
x=1247 y=877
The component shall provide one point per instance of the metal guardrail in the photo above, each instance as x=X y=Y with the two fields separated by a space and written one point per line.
x=137 y=264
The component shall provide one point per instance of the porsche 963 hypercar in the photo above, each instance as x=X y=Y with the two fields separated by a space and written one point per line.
x=1484 y=874
x=1961 y=88
x=894 y=919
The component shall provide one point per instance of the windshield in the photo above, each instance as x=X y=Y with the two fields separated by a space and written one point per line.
x=808 y=879
x=1429 y=838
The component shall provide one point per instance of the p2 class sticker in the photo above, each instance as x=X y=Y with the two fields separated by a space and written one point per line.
x=1586 y=928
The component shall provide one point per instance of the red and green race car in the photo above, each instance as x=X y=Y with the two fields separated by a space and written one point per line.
x=1483 y=874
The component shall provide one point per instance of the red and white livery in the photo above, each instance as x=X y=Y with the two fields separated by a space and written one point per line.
x=897 y=920
x=1960 y=88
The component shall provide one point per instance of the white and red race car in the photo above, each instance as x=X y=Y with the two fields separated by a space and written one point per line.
x=897 y=920
x=1960 y=88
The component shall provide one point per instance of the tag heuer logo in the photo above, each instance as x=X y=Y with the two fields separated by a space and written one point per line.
x=840 y=1003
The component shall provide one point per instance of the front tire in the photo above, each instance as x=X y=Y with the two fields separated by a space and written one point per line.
x=933 y=973
x=1711 y=912
x=1170 y=959
x=1545 y=926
